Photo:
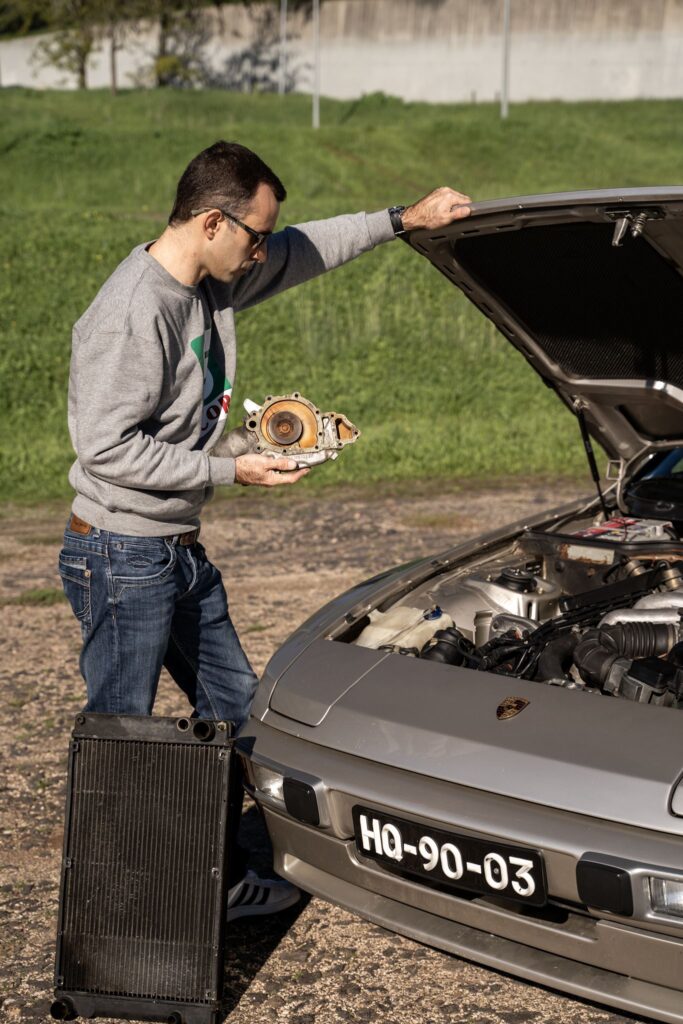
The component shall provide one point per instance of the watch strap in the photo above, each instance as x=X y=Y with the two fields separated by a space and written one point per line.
x=395 y=217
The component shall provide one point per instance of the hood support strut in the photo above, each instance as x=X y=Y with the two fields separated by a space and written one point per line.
x=590 y=455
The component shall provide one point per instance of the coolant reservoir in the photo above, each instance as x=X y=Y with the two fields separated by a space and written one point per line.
x=403 y=626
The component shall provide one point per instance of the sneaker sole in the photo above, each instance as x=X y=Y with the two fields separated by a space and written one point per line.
x=257 y=910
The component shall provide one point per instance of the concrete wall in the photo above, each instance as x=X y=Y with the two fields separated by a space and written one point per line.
x=439 y=50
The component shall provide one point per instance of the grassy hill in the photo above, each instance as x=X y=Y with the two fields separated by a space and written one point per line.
x=435 y=390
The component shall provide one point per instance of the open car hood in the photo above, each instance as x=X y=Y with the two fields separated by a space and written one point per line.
x=589 y=287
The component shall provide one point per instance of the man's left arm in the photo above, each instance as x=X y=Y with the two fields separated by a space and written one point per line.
x=300 y=253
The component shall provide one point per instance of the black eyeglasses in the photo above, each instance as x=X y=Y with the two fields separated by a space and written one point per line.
x=258 y=236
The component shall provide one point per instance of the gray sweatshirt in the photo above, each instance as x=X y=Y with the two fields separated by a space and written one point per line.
x=152 y=371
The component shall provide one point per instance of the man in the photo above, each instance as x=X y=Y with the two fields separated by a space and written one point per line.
x=152 y=371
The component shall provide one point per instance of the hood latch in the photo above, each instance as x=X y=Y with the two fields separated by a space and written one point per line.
x=633 y=221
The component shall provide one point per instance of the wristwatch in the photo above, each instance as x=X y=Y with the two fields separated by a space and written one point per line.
x=396 y=222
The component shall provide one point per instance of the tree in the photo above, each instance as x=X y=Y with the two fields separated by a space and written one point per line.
x=184 y=31
x=182 y=36
x=78 y=27
x=257 y=67
x=73 y=39
x=117 y=18
x=19 y=16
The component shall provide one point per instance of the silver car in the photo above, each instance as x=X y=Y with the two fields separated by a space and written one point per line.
x=483 y=750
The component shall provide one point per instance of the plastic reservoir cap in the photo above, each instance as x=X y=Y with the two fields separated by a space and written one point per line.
x=677 y=799
x=433 y=613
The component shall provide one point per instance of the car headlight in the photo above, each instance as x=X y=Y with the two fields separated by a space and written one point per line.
x=666 y=896
x=303 y=796
x=268 y=782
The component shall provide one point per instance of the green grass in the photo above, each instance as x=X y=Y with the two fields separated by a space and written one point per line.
x=41 y=596
x=435 y=390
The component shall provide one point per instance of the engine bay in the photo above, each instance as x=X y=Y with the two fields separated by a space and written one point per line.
x=596 y=607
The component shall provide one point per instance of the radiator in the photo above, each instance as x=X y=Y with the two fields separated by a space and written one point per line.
x=141 y=930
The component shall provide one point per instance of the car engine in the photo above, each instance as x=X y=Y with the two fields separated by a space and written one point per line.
x=597 y=607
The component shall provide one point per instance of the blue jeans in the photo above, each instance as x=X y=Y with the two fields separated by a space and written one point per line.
x=144 y=602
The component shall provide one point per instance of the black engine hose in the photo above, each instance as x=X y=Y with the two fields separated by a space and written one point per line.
x=557 y=657
x=447 y=646
x=501 y=653
x=599 y=648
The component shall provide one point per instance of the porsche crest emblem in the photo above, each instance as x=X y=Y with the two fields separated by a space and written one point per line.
x=510 y=707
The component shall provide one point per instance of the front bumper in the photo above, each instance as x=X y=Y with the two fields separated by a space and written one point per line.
x=633 y=965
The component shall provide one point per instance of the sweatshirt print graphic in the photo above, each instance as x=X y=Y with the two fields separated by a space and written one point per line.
x=217 y=387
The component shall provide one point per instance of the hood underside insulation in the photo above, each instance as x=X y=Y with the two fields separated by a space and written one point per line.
x=597 y=310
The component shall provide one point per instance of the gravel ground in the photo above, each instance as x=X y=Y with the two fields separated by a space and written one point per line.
x=281 y=555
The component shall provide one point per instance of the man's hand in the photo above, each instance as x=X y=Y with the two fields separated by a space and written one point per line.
x=265 y=471
x=439 y=208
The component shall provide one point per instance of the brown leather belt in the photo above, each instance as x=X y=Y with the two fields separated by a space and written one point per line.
x=186 y=539
x=78 y=525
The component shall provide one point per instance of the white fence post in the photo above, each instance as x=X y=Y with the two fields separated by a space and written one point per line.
x=316 y=63
x=282 y=83
x=505 y=86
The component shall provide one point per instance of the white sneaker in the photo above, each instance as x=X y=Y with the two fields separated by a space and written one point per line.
x=254 y=895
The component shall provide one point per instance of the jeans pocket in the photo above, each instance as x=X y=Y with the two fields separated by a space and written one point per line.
x=76 y=576
x=140 y=564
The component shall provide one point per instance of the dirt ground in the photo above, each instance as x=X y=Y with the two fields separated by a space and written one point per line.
x=281 y=556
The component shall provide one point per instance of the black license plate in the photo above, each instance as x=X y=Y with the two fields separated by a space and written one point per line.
x=450 y=859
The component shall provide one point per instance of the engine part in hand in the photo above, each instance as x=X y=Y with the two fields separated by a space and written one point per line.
x=292 y=426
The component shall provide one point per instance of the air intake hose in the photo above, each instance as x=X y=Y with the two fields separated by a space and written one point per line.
x=599 y=648
x=557 y=657
x=447 y=646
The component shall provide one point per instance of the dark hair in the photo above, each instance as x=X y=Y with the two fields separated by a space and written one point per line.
x=224 y=175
